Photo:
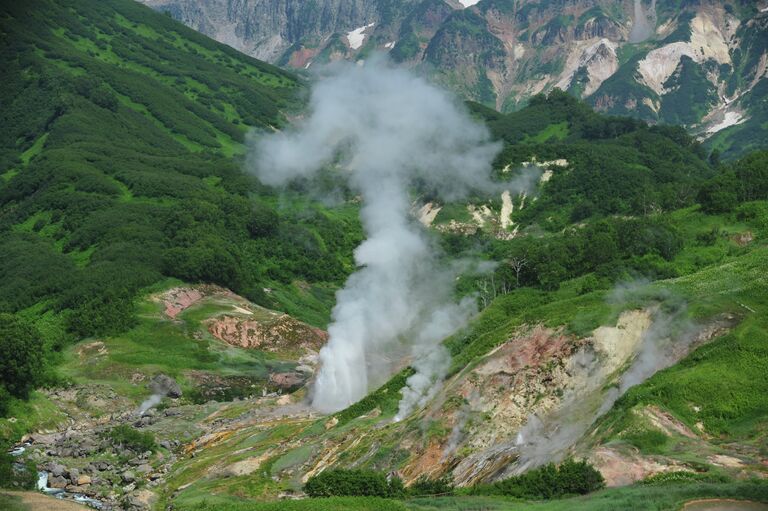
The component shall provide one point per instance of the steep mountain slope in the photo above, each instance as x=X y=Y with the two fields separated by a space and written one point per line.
x=701 y=64
x=119 y=164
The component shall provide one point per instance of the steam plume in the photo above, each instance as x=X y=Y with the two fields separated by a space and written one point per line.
x=643 y=23
x=389 y=129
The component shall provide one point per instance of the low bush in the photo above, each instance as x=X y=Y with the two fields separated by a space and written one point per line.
x=547 y=482
x=353 y=483
x=130 y=438
x=424 y=486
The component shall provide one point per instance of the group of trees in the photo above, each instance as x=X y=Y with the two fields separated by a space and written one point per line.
x=547 y=482
x=354 y=483
x=22 y=356
x=126 y=177
x=742 y=181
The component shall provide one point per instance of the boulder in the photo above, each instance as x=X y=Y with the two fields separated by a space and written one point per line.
x=57 y=482
x=57 y=469
x=128 y=476
x=73 y=474
x=83 y=479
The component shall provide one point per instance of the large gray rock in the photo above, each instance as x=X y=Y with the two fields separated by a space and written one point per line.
x=128 y=476
x=57 y=469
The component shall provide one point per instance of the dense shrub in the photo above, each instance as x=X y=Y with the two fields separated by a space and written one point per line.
x=21 y=357
x=353 y=483
x=424 y=486
x=16 y=475
x=133 y=439
x=547 y=482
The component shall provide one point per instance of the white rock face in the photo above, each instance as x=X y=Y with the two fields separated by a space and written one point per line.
x=357 y=36
x=707 y=42
x=598 y=58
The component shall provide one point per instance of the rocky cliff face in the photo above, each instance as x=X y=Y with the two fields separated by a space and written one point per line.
x=700 y=63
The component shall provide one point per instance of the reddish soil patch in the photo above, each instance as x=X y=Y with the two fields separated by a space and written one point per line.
x=743 y=238
x=281 y=334
x=178 y=299
x=300 y=58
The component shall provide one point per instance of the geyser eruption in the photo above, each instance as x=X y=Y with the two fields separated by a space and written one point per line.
x=390 y=129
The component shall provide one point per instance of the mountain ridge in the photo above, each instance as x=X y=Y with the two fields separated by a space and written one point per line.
x=701 y=63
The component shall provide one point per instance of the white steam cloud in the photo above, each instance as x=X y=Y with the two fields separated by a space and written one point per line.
x=389 y=129
x=643 y=23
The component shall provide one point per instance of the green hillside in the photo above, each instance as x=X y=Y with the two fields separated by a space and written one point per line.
x=122 y=196
x=119 y=165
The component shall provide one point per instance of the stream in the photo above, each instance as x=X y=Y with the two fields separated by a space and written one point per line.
x=59 y=493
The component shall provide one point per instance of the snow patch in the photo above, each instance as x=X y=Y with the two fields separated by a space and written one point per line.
x=518 y=51
x=390 y=45
x=357 y=36
x=468 y=3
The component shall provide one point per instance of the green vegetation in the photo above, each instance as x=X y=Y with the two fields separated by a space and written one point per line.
x=12 y=503
x=21 y=352
x=424 y=486
x=616 y=166
x=121 y=168
x=634 y=498
x=329 y=504
x=129 y=438
x=547 y=482
x=353 y=483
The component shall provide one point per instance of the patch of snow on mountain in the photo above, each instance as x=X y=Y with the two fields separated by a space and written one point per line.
x=468 y=3
x=357 y=36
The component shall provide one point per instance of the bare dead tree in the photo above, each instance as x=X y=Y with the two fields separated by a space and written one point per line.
x=517 y=264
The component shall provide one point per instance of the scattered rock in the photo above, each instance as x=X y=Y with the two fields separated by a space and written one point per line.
x=144 y=469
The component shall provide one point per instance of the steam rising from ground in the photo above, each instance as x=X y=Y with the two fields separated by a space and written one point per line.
x=390 y=129
x=670 y=336
x=643 y=23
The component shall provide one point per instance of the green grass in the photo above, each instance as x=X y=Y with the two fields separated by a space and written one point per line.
x=328 y=504
x=554 y=131
x=12 y=503
x=632 y=498
x=38 y=413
